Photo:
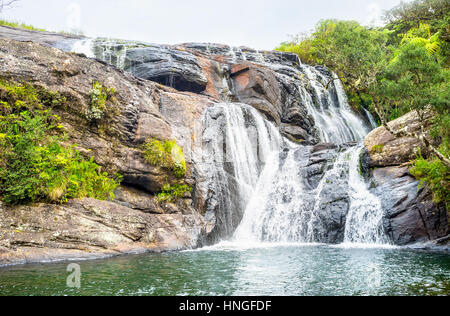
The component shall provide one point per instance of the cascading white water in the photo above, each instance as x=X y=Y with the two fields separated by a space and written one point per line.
x=273 y=207
x=242 y=146
x=85 y=47
x=233 y=157
x=364 y=219
x=372 y=122
x=334 y=119
x=255 y=178
x=274 y=200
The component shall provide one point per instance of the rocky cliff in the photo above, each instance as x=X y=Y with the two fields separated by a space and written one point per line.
x=163 y=92
x=134 y=221
x=411 y=215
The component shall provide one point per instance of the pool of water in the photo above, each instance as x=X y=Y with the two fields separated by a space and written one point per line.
x=255 y=271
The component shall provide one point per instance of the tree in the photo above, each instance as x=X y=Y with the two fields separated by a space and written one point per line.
x=6 y=3
x=418 y=11
x=355 y=53
x=434 y=13
x=414 y=80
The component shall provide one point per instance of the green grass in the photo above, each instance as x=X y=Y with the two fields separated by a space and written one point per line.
x=377 y=149
x=23 y=26
x=172 y=193
x=20 y=25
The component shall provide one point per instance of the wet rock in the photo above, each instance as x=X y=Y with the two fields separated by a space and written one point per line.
x=168 y=66
x=258 y=87
x=137 y=200
x=43 y=38
x=412 y=217
x=295 y=133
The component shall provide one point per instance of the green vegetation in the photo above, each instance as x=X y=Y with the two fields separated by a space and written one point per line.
x=23 y=26
x=35 y=165
x=377 y=149
x=392 y=70
x=166 y=154
x=171 y=193
x=434 y=174
x=20 y=25
x=99 y=96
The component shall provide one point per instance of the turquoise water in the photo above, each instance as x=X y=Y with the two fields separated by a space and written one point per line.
x=278 y=270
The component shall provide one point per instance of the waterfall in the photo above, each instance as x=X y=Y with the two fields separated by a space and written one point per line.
x=331 y=112
x=259 y=179
x=274 y=204
x=273 y=208
x=84 y=47
x=364 y=220
x=253 y=180
x=371 y=119
x=237 y=143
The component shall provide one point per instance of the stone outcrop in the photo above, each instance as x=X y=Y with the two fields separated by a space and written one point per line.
x=411 y=215
x=138 y=111
x=387 y=150
x=264 y=80
x=90 y=229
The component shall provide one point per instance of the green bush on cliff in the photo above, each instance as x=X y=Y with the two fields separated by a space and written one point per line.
x=436 y=175
x=99 y=96
x=166 y=154
x=34 y=163
x=171 y=193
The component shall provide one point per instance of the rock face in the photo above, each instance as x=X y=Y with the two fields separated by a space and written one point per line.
x=264 y=80
x=411 y=215
x=332 y=204
x=386 y=150
x=92 y=229
x=140 y=110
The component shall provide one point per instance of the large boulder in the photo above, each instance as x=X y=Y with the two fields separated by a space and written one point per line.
x=387 y=150
x=411 y=215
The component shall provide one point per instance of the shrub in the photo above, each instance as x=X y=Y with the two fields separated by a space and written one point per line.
x=377 y=149
x=436 y=175
x=34 y=164
x=171 y=193
x=99 y=96
x=166 y=154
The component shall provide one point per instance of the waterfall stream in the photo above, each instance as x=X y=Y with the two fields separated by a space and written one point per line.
x=254 y=179
x=273 y=201
x=275 y=204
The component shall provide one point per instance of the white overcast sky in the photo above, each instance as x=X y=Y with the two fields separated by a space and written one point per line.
x=260 y=24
